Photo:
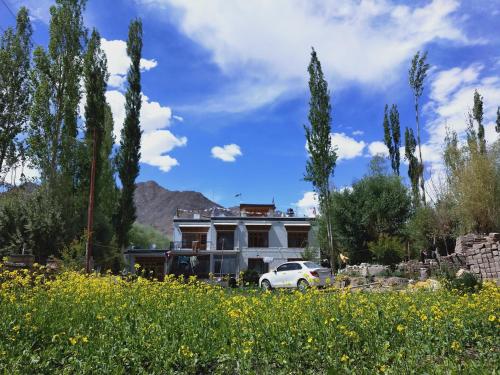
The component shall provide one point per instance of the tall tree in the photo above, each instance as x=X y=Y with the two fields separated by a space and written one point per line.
x=95 y=78
x=15 y=88
x=477 y=114
x=413 y=164
x=322 y=157
x=387 y=133
x=56 y=77
x=417 y=73
x=130 y=144
x=392 y=136
x=396 y=138
x=497 y=126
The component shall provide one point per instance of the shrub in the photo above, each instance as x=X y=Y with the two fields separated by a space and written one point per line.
x=250 y=277
x=466 y=283
x=387 y=250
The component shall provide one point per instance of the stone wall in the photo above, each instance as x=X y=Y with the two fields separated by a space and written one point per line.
x=477 y=253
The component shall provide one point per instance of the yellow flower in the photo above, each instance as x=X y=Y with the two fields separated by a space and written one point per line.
x=492 y=318
x=344 y=358
x=400 y=328
x=73 y=340
x=85 y=339
x=423 y=317
x=309 y=340
x=455 y=345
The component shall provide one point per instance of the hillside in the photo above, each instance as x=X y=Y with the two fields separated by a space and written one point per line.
x=156 y=206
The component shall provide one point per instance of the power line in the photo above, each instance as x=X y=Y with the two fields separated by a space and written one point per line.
x=8 y=8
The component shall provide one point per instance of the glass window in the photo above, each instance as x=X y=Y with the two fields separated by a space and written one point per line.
x=283 y=267
x=191 y=240
x=312 y=265
x=294 y=267
x=258 y=238
x=297 y=239
x=258 y=265
x=225 y=240
x=224 y=265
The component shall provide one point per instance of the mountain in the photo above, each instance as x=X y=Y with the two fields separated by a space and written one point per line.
x=157 y=206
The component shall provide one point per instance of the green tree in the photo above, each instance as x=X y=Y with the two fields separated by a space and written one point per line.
x=417 y=73
x=322 y=157
x=56 y=78
x=477 y=114
x=145 y=236
x=413 y=165
x=130 y=144
x=497 y=125
x=15 y=88
x=377 y=205
x=95 y=78
x=392 y=136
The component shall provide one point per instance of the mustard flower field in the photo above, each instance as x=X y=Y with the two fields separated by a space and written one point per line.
x=78 y=324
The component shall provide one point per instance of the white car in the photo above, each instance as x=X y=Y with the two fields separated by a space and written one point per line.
x=300 y=274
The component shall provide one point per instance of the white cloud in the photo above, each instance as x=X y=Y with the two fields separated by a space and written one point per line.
x=155 y=144
x=358 y=132
x=264 y=45
x=155 y=141
x=227 y=153
x=308 y=204
x=347 y=147
x=119 y=62
x=377 y=148
x=451 y=97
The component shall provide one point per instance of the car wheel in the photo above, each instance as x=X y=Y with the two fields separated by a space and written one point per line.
x=266 y=285
x=302 y=285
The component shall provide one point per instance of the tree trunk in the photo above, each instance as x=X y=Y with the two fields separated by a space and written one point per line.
x=90 y=218
x=422 y=185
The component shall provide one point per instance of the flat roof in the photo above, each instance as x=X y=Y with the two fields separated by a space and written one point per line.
x=245 y=218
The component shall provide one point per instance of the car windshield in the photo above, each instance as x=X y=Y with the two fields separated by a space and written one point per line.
x=311 y=265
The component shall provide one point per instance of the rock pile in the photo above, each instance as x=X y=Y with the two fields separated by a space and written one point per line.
x=479 y=254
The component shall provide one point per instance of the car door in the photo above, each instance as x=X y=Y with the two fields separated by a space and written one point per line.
x=294 y=274
x=281 y=275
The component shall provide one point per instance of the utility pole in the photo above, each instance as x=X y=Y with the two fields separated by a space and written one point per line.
x=90 y=215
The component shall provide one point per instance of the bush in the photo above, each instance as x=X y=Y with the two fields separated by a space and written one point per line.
x=387 y=250
x=144 y=236
x=250 y=277
x=467 y=283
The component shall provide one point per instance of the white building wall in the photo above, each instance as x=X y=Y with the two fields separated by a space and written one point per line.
x=278 y=242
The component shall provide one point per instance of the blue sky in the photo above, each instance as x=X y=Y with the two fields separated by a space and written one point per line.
x=225 y=83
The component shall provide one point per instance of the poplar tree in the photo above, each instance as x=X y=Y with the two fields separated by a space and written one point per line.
x=392 y=136
x=322 y=157
x=130 y=144
x=417 y=73
x=414 y=166
x=497 y=126
x=56 y=76
x=95 y=77
x=15 y=88
x=477 y=114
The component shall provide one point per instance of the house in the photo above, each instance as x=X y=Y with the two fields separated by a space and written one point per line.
x=220 y=243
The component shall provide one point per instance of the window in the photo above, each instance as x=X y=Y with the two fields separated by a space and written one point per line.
x=225 y=240
x=312 y=265
x=258 y=265
x=198 y=238
x=258 y=238
x=289 y=267
x=283 y=267
x=297 y=239
x=224 y=264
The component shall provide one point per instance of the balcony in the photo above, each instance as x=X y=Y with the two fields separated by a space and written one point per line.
x=199 y=247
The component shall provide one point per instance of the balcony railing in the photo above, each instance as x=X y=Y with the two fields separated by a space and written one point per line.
x=197 y=246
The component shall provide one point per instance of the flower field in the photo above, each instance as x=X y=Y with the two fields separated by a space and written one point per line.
x=75 y=323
